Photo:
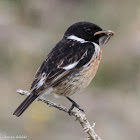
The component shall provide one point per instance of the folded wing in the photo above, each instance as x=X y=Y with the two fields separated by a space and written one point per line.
x=61 y=61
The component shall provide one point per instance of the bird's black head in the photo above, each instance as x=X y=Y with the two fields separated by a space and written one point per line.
x=89 y=32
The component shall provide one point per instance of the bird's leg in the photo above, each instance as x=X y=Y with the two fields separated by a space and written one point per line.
x=74 y=104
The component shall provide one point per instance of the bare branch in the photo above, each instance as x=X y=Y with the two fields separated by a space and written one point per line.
x=79 y=115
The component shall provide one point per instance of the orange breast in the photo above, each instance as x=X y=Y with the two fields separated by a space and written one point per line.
x=79 y=79
x=90 y=71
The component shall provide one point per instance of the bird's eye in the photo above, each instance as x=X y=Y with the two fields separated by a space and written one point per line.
x=89 y=30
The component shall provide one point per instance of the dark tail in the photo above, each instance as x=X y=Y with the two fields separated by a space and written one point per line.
x=25 y=104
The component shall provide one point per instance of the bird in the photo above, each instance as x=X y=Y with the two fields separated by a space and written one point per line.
x=71 y=65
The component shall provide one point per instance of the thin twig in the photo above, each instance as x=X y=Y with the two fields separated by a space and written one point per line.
x=79 y=115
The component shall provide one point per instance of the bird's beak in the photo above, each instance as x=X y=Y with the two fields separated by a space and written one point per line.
x=104 y=36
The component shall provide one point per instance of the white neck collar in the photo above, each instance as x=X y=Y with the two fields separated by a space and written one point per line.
x=75 y=38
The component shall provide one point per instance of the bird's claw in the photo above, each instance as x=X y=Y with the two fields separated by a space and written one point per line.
x=74 y=105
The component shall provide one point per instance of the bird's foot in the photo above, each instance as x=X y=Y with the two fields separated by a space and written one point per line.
x=74 y=104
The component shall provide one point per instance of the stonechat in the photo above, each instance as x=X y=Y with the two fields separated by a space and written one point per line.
x=71 y=65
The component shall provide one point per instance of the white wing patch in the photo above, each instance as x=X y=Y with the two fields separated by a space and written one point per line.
x=41 y=82
x=71 y=66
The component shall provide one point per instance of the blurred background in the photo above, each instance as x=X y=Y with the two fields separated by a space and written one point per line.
x=28 y=31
